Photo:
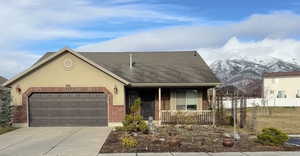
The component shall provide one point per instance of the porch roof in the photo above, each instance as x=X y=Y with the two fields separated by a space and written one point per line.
x=174 y=84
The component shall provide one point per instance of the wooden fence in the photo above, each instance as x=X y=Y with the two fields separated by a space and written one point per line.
x=201 y=117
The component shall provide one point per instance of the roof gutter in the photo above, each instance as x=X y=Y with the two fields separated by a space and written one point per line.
x=174 y=84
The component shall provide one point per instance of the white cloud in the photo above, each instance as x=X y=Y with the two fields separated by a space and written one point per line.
x=27 y=21
x=259 y=26
x=286 y=49
x=15 y=61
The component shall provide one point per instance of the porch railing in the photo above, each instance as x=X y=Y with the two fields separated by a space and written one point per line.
x=201 y=117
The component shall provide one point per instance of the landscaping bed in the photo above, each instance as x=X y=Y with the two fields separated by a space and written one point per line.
x=187 y=139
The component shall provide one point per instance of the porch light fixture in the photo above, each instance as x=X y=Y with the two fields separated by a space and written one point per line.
x=18 y=89
x=116 y=90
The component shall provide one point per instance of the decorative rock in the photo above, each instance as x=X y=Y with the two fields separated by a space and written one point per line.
x=226 y=135
x=162 y=139
x=134 y=134
x=228 y=142
x=236 y=136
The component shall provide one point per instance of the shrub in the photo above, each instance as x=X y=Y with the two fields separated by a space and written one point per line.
x=272 y=136
x=129 y=142
x=229 y=120
x=135 y=107
x=142 y=126
x=134 y=122
x=6 y=109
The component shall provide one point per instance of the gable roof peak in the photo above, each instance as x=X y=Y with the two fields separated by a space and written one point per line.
x=58 y=53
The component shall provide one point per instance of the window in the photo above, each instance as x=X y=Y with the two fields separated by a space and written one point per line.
x=272 y=92
x=186 y=99
x=298 y=93
x=281 y=94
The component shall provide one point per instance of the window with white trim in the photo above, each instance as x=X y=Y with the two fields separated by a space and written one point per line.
x=281 y=94
x=298 y=93
x=186 y=99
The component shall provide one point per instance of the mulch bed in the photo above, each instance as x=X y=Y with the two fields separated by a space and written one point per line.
x=187 y=139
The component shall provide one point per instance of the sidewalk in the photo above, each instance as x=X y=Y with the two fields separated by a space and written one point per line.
x=275 y=153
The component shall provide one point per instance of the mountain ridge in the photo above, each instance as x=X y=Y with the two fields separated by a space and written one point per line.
x=246 y=73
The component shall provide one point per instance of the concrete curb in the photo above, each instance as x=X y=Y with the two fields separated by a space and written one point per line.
x=274 y=153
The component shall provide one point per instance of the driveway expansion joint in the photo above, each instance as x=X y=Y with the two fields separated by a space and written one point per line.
x=61 y=141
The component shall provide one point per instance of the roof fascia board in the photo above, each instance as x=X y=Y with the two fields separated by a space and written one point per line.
x=174 y=84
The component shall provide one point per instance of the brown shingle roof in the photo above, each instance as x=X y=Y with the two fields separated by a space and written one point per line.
x=154 y=67
x=282 y=74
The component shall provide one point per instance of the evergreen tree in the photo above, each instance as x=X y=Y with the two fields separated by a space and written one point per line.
x=6 y=109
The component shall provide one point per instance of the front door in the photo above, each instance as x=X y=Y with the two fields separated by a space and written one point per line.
x=148 y=104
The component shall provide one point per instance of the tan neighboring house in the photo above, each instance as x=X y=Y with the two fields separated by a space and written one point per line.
x=68 y=88
x=281 y=85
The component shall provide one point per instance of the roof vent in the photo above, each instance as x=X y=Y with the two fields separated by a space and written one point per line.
x=130 y=61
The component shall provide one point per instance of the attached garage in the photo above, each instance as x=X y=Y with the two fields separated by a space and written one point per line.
x=67 y=109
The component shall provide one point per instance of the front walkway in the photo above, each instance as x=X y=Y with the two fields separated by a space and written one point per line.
x=208 y=154
x=53 y=141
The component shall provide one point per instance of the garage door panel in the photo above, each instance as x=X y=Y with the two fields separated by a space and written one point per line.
x=67 y=122
x=68 y=109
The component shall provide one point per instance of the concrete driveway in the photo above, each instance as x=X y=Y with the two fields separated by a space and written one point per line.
x=50 y=141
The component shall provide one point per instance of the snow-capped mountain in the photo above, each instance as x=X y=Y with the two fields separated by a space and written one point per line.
x=246 y=74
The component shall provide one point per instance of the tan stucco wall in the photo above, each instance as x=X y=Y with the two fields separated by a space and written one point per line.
x=54 y=74
x=289 y=84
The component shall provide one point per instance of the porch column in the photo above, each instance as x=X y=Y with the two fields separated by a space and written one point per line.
x=159 y=106
x=213 y=102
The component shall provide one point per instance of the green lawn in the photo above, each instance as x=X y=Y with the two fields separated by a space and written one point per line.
x=6 y=129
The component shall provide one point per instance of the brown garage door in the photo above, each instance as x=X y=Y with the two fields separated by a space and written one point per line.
x=67 y=109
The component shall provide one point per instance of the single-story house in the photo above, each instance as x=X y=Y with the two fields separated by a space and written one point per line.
x=68 y=88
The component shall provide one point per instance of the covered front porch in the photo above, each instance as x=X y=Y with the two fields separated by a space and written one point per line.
x=174 y=105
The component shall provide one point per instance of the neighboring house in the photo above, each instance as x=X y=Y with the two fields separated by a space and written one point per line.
x=68 y=88
x=281 y=85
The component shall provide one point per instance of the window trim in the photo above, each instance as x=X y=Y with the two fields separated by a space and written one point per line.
x=283 y=95
x=186 y=100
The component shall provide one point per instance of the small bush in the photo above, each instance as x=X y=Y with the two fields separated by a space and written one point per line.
x=229 y=120
x=272 y=136
x=136 y=106
x=143 y=127
x=129 y=142
x=119 y=128
x=134 y=123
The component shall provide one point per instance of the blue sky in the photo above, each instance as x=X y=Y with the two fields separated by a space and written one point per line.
x=215 y=28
